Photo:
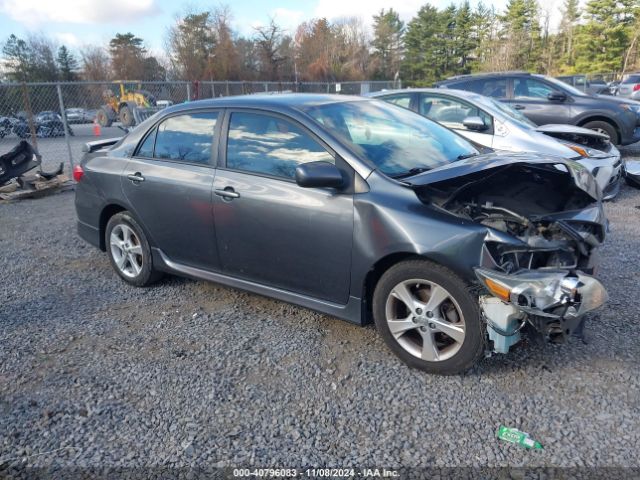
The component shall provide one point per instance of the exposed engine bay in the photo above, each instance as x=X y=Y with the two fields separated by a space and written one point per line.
x=539 y=272
x=601 y=143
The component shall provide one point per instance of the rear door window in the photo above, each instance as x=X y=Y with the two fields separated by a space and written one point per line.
x=489 y=87
x=184 y=138
x=146 y=149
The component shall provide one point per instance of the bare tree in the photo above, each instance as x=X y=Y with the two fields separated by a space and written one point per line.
x=268 y=41
x=95 y=63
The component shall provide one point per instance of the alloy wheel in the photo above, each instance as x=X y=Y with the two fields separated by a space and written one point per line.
x=425 y=320
x=601 y=130
x=126 y=250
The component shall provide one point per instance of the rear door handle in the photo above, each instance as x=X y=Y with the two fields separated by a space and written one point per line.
x=519 y=107
x=227 y=192
x=136 y=177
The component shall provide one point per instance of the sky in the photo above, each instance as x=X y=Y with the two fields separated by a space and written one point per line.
x=79 y=22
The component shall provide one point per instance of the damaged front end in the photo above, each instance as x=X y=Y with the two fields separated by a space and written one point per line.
x=544 y=224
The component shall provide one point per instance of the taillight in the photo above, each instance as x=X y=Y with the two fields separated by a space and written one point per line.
x=636 y=87
x=78 y=173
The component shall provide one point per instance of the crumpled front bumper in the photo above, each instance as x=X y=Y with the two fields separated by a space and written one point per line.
x=607 y=169
x=554 y=302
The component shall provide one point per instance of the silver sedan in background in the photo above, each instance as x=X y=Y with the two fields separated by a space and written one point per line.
x=496 y=125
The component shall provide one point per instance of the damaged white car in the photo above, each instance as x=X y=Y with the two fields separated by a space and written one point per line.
x=499 y=126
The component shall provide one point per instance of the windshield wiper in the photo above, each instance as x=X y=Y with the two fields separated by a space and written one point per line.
x=467 y=155
x=411 y=172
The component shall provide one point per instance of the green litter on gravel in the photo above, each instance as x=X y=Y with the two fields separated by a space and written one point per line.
x=513 y=435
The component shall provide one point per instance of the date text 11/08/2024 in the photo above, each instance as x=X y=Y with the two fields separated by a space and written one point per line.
x=316 y=472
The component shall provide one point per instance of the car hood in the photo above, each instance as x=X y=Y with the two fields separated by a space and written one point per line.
x=556 y=128
x=617 y=100
x=581 y=176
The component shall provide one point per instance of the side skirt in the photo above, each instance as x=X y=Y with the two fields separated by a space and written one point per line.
x=350 y=312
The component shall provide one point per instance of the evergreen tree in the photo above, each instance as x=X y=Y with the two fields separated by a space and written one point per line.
x=568 y=26
x=484 y=21
x=17 y=59
x=521 y=35
x=127 y=56
x=604 y=39
x=190 y=43
x=424 y=47
x=387 y=43
x=67 y=65
x=465 y=41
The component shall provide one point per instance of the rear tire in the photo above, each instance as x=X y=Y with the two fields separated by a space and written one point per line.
x=604 y=127
x=441 y=332
x=129 y=251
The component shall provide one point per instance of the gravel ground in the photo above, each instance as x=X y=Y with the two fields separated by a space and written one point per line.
x=94 y=373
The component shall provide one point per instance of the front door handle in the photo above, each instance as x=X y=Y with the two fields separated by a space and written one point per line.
x=136 y=177
x=227 y=193
x=519 y=107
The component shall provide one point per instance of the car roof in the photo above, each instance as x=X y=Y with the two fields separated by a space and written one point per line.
x=449 y=91
x=279 y=101
x=470 y=76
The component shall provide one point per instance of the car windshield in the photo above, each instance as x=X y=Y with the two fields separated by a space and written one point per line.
x=562 y=86
x=397 y=141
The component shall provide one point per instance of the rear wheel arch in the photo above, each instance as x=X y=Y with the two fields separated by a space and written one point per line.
x=106 y=214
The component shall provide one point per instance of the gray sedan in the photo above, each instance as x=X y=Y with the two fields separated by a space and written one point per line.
x=355 y=208
x=494 y=124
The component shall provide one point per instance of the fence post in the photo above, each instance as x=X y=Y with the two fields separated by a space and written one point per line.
x=66 y=126
x=27 y=105
x=188 y=92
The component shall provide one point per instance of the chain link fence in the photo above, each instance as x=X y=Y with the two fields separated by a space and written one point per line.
x=59 y=118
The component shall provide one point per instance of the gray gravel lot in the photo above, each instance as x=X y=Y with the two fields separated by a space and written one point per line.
x=96 y=373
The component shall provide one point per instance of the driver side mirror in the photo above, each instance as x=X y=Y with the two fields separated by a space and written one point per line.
x=319 y=175
x=474 y=123
x=556 y=97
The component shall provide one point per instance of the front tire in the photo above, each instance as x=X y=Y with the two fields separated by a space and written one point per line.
x=427 y=317
x=126 y=116
x=129 y=251
x=604 y=127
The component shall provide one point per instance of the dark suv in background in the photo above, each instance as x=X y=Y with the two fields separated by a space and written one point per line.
x=547 y=100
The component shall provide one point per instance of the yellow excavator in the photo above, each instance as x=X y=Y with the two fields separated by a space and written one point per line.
x=123 y=107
